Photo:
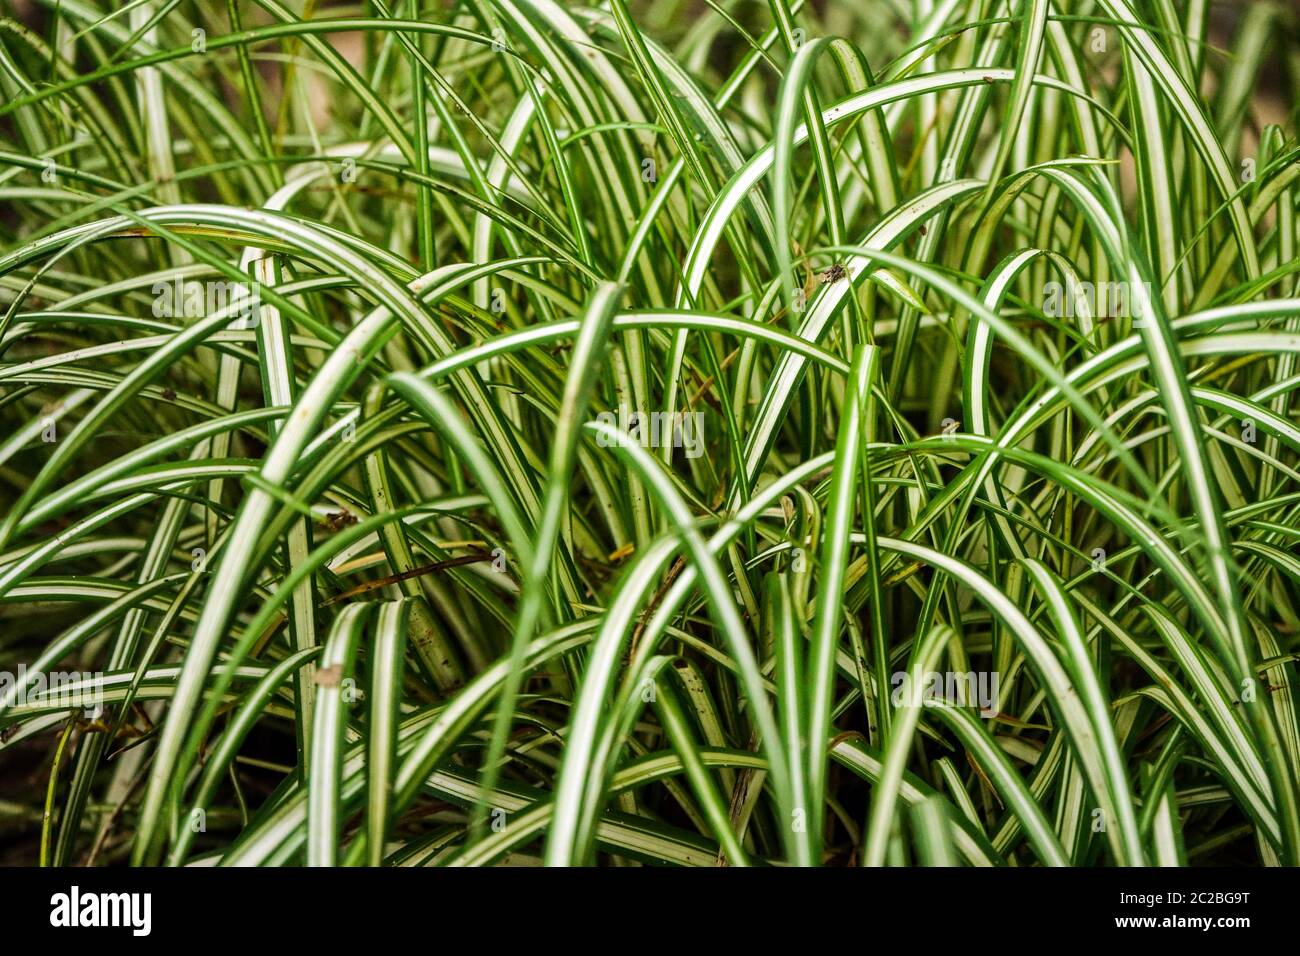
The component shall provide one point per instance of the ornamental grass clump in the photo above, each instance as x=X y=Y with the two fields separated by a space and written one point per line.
x=672 y=432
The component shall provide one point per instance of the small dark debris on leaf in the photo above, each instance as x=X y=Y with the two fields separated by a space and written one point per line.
x=338 y=520
x=834 y=274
